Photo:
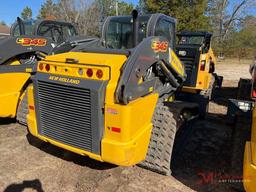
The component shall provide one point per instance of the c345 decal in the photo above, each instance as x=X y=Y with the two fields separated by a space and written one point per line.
x=31 y=42
x=159 y=46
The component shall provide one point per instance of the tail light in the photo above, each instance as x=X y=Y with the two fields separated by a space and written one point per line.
x=254 y=93
x=253 y=82
x=202 y=66
x=41 y=66
x=99 y=74
x=89 y=72
x=254 y=88
x=47 y=67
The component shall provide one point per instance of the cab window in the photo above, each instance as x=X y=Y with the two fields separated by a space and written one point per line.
x=50 y=30
x=191 y=40
x=119 y=34
x=68 y=31
x=57 y=32
x=166 y=29
x=29 y=28
x=45 y=30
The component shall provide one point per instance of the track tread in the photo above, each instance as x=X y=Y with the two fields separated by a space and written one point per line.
x=23 y=110
x=158 y=158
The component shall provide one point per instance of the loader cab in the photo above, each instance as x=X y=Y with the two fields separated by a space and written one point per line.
x=126 y=32
x=194 y=50
x=28 y=28
x=194 y=39
x=57 y=31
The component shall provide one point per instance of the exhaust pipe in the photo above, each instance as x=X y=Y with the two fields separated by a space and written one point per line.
x=21 y=26
x=135 y=27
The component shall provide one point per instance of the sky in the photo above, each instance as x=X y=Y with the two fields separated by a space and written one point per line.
x=10 y=9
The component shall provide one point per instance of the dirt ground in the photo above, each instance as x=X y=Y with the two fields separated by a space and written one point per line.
x=202 y=161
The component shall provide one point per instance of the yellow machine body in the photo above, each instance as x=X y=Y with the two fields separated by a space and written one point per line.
x=249 y=170
x=129 y=144
x=11 y=91
x=249 y=166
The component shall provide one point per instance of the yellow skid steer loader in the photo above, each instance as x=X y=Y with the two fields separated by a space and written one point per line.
x=113 y=100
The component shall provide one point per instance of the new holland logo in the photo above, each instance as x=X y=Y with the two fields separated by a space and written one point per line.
x=64 y=79
x=31 y=42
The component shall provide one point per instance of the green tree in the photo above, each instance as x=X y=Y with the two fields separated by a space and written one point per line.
x=243 y=42
x=48 y=9
x=124 y=8
x=189 y=13
x=86 y=16
x=26 y=13
x=226 y=19
x=115 y=7
x=141 y=7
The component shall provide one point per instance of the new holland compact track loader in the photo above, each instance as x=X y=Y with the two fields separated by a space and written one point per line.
x=29 y=41
x=194 y=50
x=114 y=99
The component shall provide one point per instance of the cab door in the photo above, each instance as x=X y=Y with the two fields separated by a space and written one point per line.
x=165 y=27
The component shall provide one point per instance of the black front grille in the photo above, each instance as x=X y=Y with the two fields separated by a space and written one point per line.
x=65 y=114
x=189 y=66
x=190 y=60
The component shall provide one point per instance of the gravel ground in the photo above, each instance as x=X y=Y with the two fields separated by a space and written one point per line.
x=199 y=164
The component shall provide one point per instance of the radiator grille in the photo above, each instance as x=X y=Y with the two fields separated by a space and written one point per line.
x=191 y=70
x=65 y=114
x=189 y=64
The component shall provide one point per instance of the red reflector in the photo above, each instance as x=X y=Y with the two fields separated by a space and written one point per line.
x=254 y=93
x=99 y=74
x=41 y=66
x=202 y=66
x=116 y=129
x=31 y=107
x=47 y=67
x=89 y=72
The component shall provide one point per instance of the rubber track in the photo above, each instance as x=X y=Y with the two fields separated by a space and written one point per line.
x=23 y=110
x=158 y=158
